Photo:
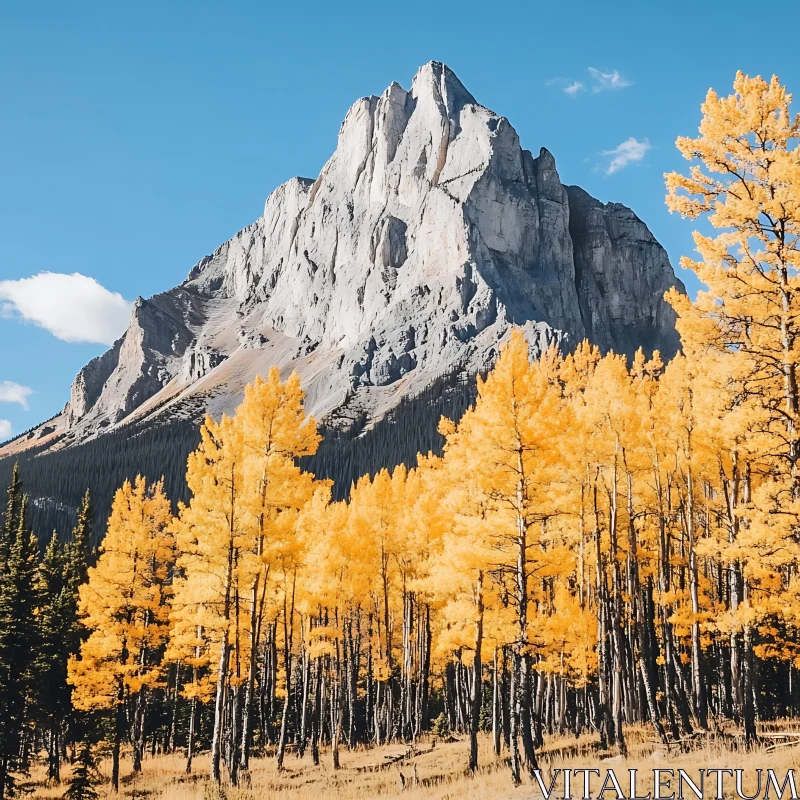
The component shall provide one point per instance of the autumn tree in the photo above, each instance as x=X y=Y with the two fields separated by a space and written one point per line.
x=744 y=182
x=375 y=516
x=124 y=606
x=460 y=576
x=507 y=448
x=746 y=185
x=239 y=532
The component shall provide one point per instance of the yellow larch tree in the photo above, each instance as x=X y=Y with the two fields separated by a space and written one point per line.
x=376 y=510
x=459 y=579
x=747 y=185
x=275 y=431
x=240 y=530
x=124 y=606
x=682 y=421
x=745 y=181
x=507 y=447
x=210 y=533
x=607 y=413
x=330 y=604
x=424 y=521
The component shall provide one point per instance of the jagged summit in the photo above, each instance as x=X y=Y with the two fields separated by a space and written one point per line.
x=426 y=235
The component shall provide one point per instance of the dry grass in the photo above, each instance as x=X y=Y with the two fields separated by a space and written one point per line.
x=440 y=772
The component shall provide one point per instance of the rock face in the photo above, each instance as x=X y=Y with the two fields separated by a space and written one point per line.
x=428 y=233
x=620 y=271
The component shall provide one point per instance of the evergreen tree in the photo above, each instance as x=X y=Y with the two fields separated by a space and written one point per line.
x=76 y=573
x=79 y=547
x=53 y=624
x=84 y=776
x=18 y=643
x=11 y=516
x=60 y=632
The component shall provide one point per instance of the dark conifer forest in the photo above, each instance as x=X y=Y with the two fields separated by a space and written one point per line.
x=57 y=481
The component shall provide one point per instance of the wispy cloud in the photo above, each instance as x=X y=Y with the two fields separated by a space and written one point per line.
x=11 y=392
x=74 y=307
x=600 y=82
x=5 y=430
x=606 y=81
x=567 y=85
x=630 y=151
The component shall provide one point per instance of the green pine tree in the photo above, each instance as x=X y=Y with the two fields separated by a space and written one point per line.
x=54 y=625
x=84 y=776
x=18 y=644
x=78 y=549
x=10 y=522
x=75 y=574
x=59 y=577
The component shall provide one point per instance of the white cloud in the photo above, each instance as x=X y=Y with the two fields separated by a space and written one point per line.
x=567 y=85
x=630 y=151
x=601 y=82
x=5 y=430
x=604 y=81
x=74 y=307
x=11 y=392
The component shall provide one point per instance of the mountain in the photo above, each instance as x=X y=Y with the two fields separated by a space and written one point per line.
x=427 y=234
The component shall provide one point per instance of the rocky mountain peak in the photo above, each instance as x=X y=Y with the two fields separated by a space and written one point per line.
x=427 y=234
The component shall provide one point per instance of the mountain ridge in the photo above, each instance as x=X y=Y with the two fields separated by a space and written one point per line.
x=427 y=234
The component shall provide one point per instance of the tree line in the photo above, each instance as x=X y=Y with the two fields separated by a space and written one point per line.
x=601 y=542
x=56 y=480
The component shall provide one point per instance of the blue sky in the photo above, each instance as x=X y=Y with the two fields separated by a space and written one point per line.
x=137 y=137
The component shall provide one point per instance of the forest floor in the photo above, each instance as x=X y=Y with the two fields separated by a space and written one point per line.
x=440 y=770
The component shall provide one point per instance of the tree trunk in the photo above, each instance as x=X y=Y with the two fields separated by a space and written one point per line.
x=219 y=708
x=748 y=684
x=496 y=707
x=222 y=667
x=137 y=731
x=288 y=630
x=54 y=753
x=526 y=715
x=651 y=705
x=244 y=754
x=515 y=710
x=354 y=663
x=601 y=591
x=617 y=652
x=389 y=692
x=305 y=674
x=477 y=682
x=369 y=712
x=119 y=730
x=190 y=741
x=698 y=688
x=337 y=688
x=408 y=610
x=316 y=718
x=523 y=696
x=169 y=745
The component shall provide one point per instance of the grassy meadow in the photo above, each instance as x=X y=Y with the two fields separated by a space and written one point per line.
x=434 y=770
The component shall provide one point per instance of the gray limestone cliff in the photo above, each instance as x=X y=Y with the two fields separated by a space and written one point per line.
x=428 y=233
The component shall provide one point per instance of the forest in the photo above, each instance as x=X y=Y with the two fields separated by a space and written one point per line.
x=56 y=479
x=601 y=544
